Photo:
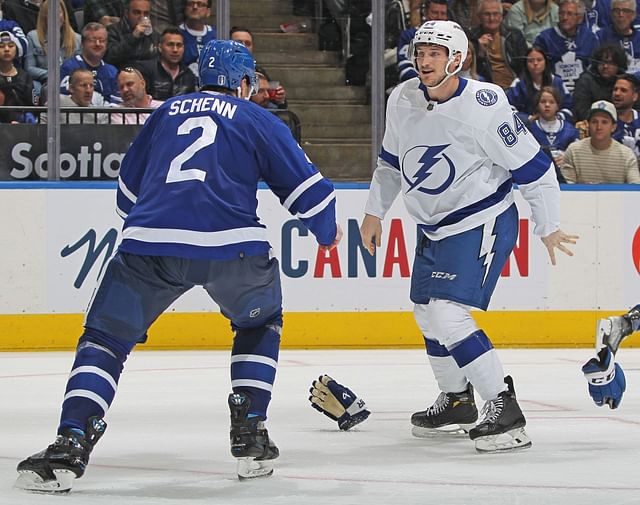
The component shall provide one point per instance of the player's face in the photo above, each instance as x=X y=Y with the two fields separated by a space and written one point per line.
x=437 y=12
x=138 y=9
x=535 y=63
x=132 y=87
x=622 y=15
x=569 y=18
x=82 y=89
x=244 y=38
x=172 y=48
x=623 y=96
x=431 y=60
x=95 y=44
x=196 y=10
x=547 y=107
x=7 y=51
x=601 y=126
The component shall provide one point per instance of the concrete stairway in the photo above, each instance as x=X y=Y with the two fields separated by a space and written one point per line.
x=336 y=121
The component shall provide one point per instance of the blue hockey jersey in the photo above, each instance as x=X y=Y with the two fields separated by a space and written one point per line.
x=105 y=77
x=193 y=43
x=523 y=101
x=188 y=183
x=597 y=16
x=629 y=133
x=405 y=66
x=568 y=55
x=557 y=140
x=630 y=44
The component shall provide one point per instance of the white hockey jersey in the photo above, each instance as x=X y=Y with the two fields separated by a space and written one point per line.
x=455 y=162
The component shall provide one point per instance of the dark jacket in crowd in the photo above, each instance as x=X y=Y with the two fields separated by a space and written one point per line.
x=123 y=48
x=160 y=85
x=590 y=87
x=514 y=49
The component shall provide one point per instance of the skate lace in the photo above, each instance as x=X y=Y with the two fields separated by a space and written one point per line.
x=492 y=410
x=439 y=405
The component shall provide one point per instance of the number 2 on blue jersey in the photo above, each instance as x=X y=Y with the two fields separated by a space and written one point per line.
x=207 y=137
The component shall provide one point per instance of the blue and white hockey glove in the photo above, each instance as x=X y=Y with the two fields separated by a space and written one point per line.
x=606 y=379
x=337 y=402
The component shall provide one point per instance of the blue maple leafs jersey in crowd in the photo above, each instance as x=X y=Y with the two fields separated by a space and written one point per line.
x=597 y=15
x=629 y=133
x=188 y=183
x=569 y=56
x=555 y=140
x=405 y=66
x=455 y=161
x=105 y=77
x=193 y=43
x=519 y=97
x=630 y=44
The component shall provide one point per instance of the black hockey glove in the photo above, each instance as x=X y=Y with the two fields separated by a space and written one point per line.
x=337 y=402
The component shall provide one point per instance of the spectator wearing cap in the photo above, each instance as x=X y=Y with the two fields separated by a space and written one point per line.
x=166 y=74
x=15 y=83
x=195 y=32
x=9 y=25
x=94 y=47
x=598 y=159
x=134 y=95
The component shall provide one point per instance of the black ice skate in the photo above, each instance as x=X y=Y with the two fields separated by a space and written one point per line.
x=502 y=426
x=250 y=441
x=54 y=469
x=451 y=414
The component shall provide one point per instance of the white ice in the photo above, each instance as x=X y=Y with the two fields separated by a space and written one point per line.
x=167 y=440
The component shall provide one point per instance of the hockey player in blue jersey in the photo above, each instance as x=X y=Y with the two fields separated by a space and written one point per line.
x=605 y=377
x=453 y=148
x=187 y=193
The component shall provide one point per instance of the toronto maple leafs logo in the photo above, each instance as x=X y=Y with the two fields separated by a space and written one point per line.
x=428 y=169
x=486 y=97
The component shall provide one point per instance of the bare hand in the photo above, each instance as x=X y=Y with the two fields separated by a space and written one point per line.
x=335 y=242
x=483 y=43
x=139 y=29
x=371 y=233
x=555 y=240
x=279 y=95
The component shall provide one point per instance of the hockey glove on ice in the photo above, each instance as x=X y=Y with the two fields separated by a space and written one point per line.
x=606 y=379
x=337 y=402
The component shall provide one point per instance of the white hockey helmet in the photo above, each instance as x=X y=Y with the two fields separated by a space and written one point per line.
x=448 y=34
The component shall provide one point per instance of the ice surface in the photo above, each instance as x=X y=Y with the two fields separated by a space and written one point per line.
x=167 y=441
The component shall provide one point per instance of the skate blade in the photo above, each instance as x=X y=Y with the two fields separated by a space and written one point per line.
x=451 y=430
x=30 y=481
x=250 y=468
x=513 y=440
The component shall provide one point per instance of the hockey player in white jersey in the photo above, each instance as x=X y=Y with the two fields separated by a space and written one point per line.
x=453 y=148
x=187 y=193
x=605 y=377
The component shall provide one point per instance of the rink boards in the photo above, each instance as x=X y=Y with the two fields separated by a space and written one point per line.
x=57 y=237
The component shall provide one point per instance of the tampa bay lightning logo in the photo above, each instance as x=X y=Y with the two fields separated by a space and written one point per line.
x=486 y=97
x=427 y=169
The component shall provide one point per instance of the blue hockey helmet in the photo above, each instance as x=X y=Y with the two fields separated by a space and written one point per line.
x=225 y=63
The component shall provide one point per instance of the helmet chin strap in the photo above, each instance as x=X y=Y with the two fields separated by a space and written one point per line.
x=447 y=76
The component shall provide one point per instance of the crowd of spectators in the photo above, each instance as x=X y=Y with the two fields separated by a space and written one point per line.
x=113 y=53
x=570 y=70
